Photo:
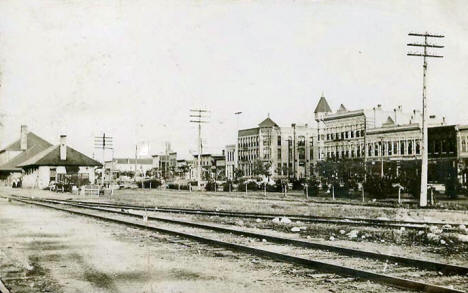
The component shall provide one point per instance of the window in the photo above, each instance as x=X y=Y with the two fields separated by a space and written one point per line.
x=279 y=154
x=279 y=140
x=301 y=152
x=410 y=147
x=444 y=146
x=418 y=147
x=436 y=147
x=389 y=149
x=402 y=147
x=301 y=141
x=376 y=149
x=463 y=145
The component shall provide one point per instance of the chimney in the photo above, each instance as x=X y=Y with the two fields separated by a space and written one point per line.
x=400 y=108
x=63 y=147
x=379 y=107
x=24 y=137
x=443 y=120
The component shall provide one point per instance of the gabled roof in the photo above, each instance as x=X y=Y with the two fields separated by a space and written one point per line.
x=389 y=122
x=268 y=123
x=51 y=157
x=35 y=145
x=342 y=109
x=32 y=139
x=322 y=106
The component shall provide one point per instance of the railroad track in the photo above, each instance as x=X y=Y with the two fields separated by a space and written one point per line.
x=297 y=252
x=349 y=221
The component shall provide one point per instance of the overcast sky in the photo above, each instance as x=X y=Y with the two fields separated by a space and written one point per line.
x=134 y=68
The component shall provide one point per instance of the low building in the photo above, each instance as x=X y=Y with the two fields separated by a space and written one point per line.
x=127 y=166
x=165 y=165
x=182 y=170
x=462 y=154
x=219 y=170
x=59 y=163
x=28 y=145
x=212 y=167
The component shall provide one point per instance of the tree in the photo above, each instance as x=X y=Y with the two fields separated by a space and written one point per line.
x=238 y=173
x=261 y=168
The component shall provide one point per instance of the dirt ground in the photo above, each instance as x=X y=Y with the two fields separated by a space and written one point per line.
x=42 y=250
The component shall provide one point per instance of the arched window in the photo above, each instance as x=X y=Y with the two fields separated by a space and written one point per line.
x=301 y=141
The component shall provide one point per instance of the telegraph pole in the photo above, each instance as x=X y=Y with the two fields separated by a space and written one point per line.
x=381 y=157
x=103 y=142
x=236 y=154
x=425 y=55
x=294 y=150
x=197 y=116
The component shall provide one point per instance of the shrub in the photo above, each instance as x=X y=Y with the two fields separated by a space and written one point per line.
x=313 y=187
x=177 y=186
x=451 y=187
x=298 y=184
x=251 y=185
x=228 y=186
x=210 y=186
x=154 y=183
x=379 y=187
x=277 y=187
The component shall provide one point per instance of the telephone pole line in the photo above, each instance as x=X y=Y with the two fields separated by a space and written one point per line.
x=425 y=54
x=105 y=143
x=198 y=116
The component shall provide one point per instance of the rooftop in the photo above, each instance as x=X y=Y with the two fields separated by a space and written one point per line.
x=51 y=157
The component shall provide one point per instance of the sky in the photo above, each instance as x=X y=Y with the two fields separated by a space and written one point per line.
x=133 y=69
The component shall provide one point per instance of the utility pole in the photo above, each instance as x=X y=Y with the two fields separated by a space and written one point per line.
x=294 y=150
x=365 y=157
x=425 y=54
x=236 y=154
x=103 y=142
x=381 y=156
x=197 y=116
x=136 y=159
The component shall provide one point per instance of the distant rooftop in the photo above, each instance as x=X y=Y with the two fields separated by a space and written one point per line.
x=322 y=106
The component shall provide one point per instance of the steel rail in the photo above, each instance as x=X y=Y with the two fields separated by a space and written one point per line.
x=442 y=267
x=317 y=265
x=320 y=219
x=445 y=268
x=3 y=288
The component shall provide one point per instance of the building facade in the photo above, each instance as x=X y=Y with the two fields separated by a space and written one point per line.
x=285 y=151
x=230 y=159
x=165 y=164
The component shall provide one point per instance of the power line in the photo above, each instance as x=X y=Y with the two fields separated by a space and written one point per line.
x=198 y=116
x=105 y=143
x=425 y=54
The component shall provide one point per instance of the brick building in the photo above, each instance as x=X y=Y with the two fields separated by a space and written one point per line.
x=288 y=150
